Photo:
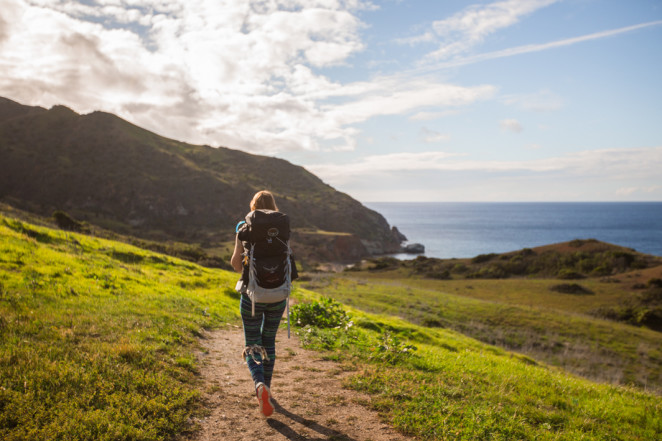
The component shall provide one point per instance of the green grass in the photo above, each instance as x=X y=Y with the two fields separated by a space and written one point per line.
x=517 y=314
x=455 y=388
x=97 y=338
x=98 y=342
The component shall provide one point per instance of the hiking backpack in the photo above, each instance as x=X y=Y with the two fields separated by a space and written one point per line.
x=268 y=265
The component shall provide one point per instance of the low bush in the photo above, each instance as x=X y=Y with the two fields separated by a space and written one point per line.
x=482 y=258
x=384 y=263
x=569 y=274
x=489 y=272
x=325 y=313
x=439 y=275
x=391 y=349
x=570 y=288
x=66 y=222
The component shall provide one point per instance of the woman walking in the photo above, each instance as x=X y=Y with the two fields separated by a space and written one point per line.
x=261 y=319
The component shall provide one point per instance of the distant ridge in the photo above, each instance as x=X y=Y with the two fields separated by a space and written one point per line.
x=108 y=172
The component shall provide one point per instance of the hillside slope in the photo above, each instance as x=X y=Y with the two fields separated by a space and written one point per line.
x=100 y=340
x=106 y=171
x=592 y=308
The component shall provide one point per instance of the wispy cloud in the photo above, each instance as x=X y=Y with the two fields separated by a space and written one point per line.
x=511 y=125
x=606 y=163
x=457 y=35
x=529 y=48
x=393 y=96
x=471 y=26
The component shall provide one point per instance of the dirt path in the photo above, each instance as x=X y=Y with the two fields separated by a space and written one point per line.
x=310 y=402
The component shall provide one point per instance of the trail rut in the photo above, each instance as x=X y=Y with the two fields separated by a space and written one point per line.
x=310 y=402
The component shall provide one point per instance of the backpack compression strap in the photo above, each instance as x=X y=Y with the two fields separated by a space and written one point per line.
x=288 y=280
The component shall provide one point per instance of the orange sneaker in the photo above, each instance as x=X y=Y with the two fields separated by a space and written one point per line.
x=264 y=399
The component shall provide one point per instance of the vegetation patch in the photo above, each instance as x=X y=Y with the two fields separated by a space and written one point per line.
x=573 y=260
x=66 y=222
x=640 y=309
x=438 y=385
x=97 y=338
x=516 y=314
x=571 y=288
x=325 y=313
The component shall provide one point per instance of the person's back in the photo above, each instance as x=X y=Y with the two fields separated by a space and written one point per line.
x=265 y=237
x=263 y=255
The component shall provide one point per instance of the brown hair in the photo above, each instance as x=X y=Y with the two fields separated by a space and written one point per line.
x=263 y=200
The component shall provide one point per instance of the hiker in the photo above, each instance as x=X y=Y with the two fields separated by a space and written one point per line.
x=262 y=309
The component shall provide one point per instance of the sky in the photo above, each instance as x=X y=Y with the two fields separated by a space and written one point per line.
x=394 y=100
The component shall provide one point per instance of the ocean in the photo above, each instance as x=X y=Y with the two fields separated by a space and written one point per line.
x=467 y=229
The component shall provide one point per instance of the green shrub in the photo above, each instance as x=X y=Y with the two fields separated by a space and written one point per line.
x=439 y=275
x=570 y=288
x=481 y=258
x=326 y=313
x=603 y=270
x=383 y=263
x=460 y=268
x=392 y=350
x=66 y=222
x=568 y=274
x=489 y=272
x=580 y=242
x=651 y=318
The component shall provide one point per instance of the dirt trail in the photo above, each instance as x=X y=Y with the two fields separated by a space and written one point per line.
x=310 y=402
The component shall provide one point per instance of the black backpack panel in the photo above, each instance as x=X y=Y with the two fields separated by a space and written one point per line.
x=268 y=232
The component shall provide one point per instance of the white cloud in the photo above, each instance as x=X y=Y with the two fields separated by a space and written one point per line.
x=530 y=48
x=607 y=164
x=220 y=72
x=511 y=125
x=460 y=32
x=394 y=97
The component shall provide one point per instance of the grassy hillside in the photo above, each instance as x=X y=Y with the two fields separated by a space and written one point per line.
x=97 y=341
x=103 y=170
x=436 y=384
x=97 y=338
x=535 y=315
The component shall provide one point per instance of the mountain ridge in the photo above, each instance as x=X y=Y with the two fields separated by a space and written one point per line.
x=109 y=172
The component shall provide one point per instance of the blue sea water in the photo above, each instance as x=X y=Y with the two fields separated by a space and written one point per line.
x=467 y=229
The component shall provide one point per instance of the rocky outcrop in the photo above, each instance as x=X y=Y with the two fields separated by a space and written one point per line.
x=397 y=235
x=413 y=248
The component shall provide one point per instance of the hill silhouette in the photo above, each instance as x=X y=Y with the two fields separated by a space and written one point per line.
x=108 y=172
